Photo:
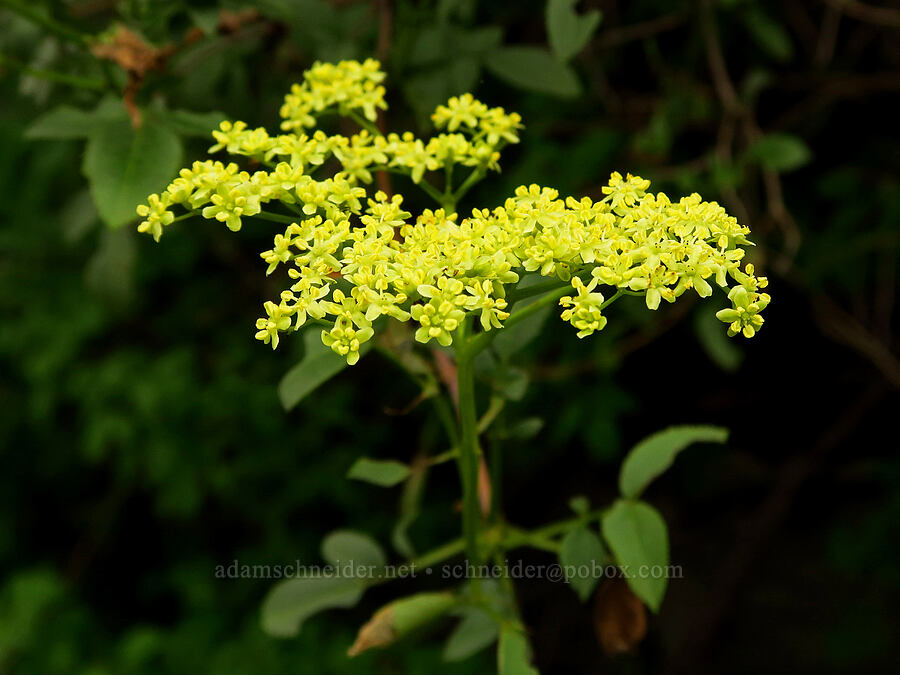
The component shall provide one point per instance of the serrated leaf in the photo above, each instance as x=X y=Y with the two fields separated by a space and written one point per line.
x=123 y=165
x=289 y=603
x=581 y=555
x=344 y=547
x=568 y=31
x=780 y=152
x=653 y=455
x=318 y=365
x=383 y=472
x=639 y=539
x=514 y=653
x=475 y=631
x=534 y=69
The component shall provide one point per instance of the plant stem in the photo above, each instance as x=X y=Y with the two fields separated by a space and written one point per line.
x=432 y=192
x=364 y=123
x=438 y=554
x=468 y=447
x=275 y=217
x=482 y=340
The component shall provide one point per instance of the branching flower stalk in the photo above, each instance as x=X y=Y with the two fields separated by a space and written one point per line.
x=356 y=259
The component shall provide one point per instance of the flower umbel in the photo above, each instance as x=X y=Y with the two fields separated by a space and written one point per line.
x=356 y=258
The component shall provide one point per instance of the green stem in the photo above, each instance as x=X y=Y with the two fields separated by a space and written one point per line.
x=482 y=340
x=476 y=175
x=540 y=538
x=275 y=217
x=468 y=447
x=433 y=192
x=439 y=554
x=364 y=123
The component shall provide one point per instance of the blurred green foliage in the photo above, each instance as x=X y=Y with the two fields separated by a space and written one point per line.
x=142 y=435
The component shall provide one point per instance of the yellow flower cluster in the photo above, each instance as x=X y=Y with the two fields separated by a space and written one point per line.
x=354 y=257
x=345 y=88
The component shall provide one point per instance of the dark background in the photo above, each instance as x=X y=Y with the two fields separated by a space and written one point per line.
x=143 y=442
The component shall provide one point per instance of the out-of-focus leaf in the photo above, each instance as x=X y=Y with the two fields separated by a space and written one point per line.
x=511 y=383
x=400 y=618
x=189 y=123
x=769 y=34
x=348 y=546
x=780 y=152
x=579 y=504
x=123 y=165
x=723 y=351
x=508 y=341
x=475 y=631
x=289 y=603
x=582 y=556
x=567 y=30
x=653 y=455
x=318 y=365
x=514 y=653
x=67 y=122
x=522 y=430
x=638 y=537
x=410 y=503
x=385 y=472
x=535 y=69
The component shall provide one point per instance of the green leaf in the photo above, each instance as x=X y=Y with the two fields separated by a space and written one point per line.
x=568 y=31
x=400 y=618
x=319 y=364
x=769 y=34
x=511 y=383
x=523 y=429
x=579 y=504
x=581 y=555
x=386 y=472
x=189 y=123
x=780 y=152
x=534 y=69
x=415 y=611
x=653 y=455
x=718 y=346
x=475 y=631
x=289 y=603
x=638 y=537
x=66 y=122
x=123 y=165
x=510 y=340
x=410 y=504
x=344 y=547
x=514 y=653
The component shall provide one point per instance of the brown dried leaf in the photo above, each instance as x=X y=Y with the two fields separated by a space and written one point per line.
x=620 y=618
x=376 y=632
x=128 y=50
